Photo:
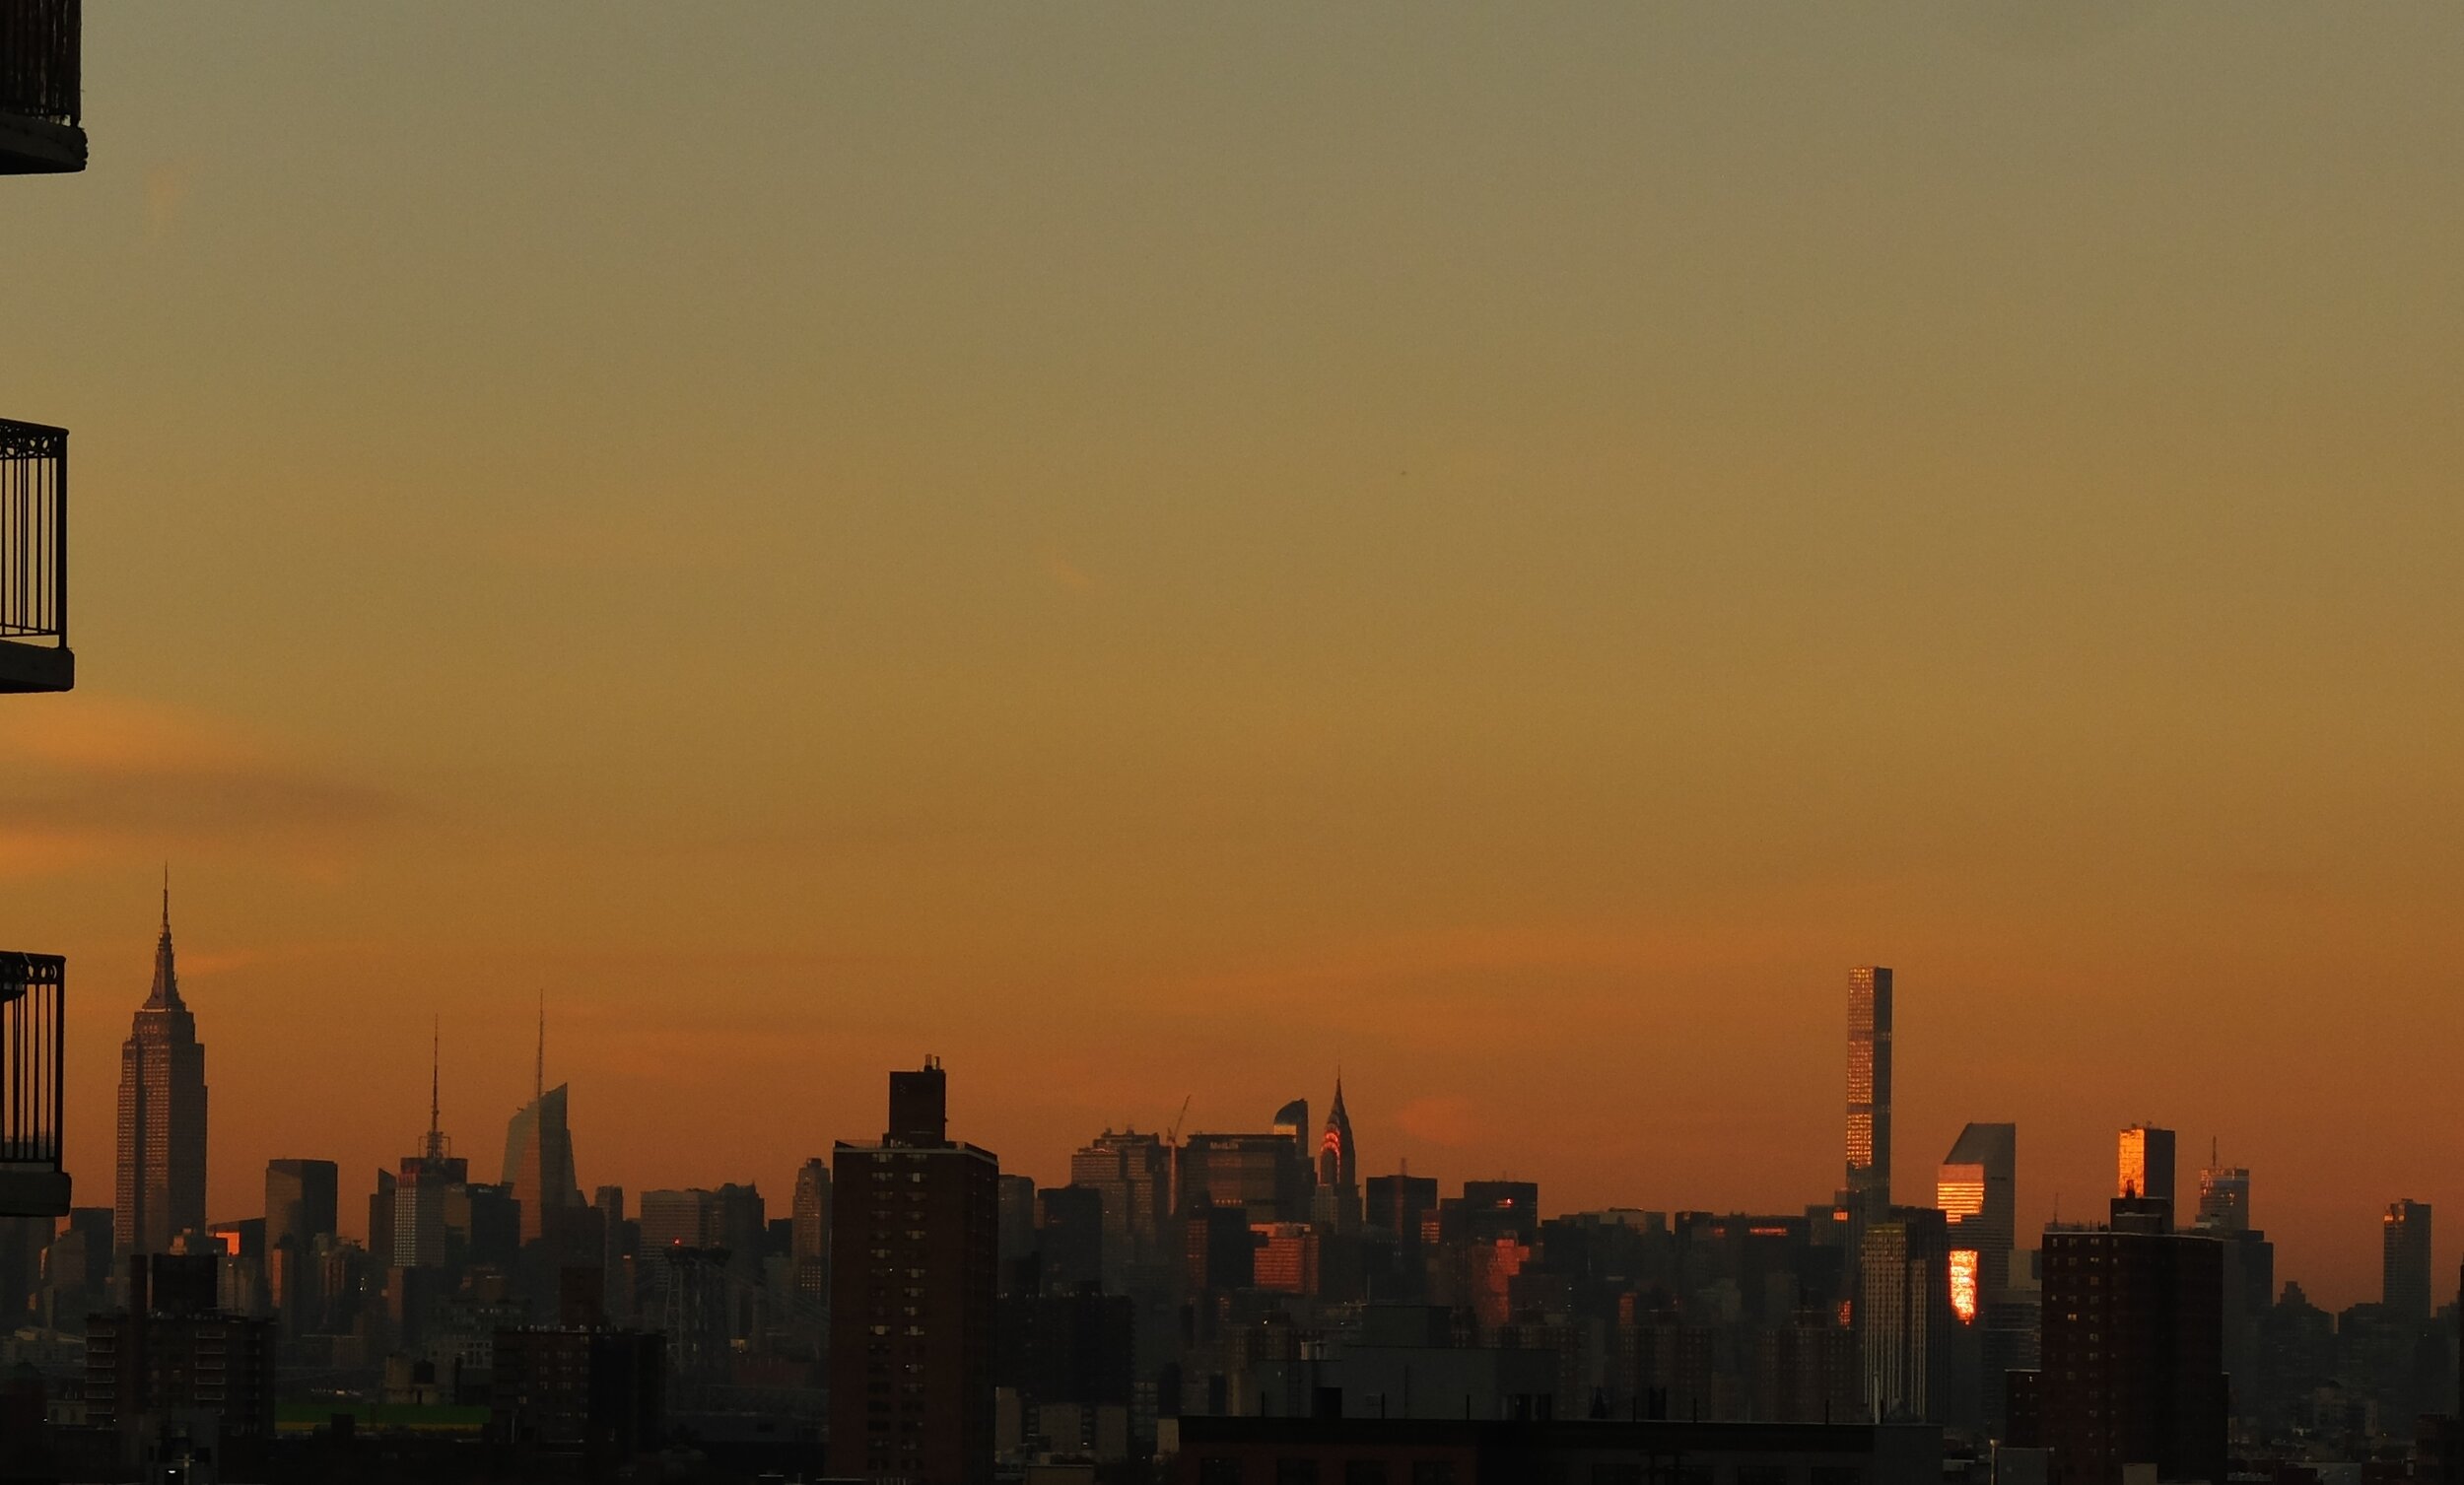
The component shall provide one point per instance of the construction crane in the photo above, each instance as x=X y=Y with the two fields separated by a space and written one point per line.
x=1174 y=1137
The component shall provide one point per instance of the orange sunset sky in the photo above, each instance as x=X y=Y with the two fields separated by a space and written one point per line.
x=1156 y=551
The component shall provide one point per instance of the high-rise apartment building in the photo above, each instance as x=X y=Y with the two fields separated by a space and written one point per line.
x=170 y=1360
x=916 y=1237
x=1977 y=1192
x=1869 y=1089
x=162 y=1115
x=2133 y=1369
x=2145 y=1169
x=2404 y=1259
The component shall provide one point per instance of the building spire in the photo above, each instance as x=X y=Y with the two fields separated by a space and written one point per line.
x=164 y=995
x=435 y=1061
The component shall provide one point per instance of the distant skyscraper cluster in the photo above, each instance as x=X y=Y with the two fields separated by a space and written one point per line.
x=921 y=1316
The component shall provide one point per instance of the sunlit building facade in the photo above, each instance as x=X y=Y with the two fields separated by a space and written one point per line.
x=1976 y=1190
x=1869 y=1089
x=2145 y=1164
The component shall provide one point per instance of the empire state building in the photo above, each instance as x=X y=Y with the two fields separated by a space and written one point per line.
x=161 y=1168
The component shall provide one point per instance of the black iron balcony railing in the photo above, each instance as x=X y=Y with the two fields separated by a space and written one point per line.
x=39 y=84
x=38 y=61
x=34 y=557
x=32 y=1049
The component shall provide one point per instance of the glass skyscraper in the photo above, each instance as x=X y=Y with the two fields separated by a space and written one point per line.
x=1869 y=1089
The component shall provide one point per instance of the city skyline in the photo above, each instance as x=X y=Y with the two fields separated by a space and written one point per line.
x=1318 y=541
x=525 y=1129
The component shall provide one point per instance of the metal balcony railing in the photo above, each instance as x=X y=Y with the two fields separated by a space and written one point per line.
x=33 y=557
x=38 y=61
x=32 y=1052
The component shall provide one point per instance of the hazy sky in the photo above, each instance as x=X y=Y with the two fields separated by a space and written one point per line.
x=1154 y=551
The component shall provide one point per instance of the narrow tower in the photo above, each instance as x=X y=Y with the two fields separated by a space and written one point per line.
x=1339 y=1169
x=1869 y=1089
x=161 y=1113
x=539 y=1149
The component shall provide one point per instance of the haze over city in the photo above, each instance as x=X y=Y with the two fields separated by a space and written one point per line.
x=1155 y=560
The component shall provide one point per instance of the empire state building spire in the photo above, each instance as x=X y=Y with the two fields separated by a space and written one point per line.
x=166 y=992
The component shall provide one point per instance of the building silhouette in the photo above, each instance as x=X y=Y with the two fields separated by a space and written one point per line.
x=1337 y=1199
x=2145 y=1165
x=2225 y=1197
x=162 y=1115
x=2133 y=1370
x=915 y=1235
x=539 y=1162
x=2404 y=1252
x=301 y=1207
x=808 y=1234
x=1869 y=1090
x=1268 y=1176
x=419 y=1229
x=1904 y=1319
x=174 y=1376
x=1131 y=1175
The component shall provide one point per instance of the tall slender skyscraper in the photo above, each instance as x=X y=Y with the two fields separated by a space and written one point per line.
x=808 y=1235
x=540 y=1150
x=419 y=1190
x=1869 y=1089
x=162 y=1115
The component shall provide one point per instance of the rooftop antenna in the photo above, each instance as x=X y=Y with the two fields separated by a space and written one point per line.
x=435 y=1046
